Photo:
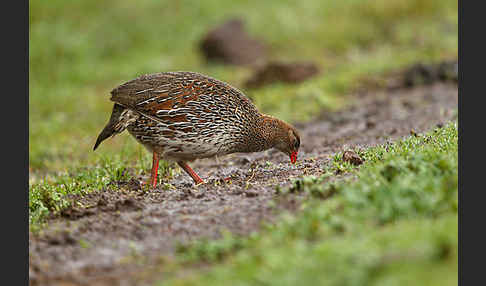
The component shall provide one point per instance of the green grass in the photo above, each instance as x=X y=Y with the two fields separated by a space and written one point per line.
x=80 y=50
x=393 y=223
x=50 y=196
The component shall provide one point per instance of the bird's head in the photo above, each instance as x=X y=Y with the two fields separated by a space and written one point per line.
x=287 y=139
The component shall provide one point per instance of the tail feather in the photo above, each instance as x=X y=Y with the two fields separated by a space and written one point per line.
x=107 y=132
x=112 y=127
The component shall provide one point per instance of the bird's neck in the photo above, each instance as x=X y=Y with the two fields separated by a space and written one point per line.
x=265 y=134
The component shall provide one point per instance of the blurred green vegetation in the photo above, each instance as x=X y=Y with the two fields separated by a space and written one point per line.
x=395 y=224
x=80 y=50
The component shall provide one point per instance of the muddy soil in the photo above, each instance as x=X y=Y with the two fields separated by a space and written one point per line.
x=115 y=238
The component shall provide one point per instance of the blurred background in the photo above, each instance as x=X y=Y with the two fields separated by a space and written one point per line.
x=80 y=50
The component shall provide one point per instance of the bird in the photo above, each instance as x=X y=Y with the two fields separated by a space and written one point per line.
x=182 y=116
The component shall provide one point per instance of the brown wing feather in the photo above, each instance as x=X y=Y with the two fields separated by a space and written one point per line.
x=170 y=90
x=143 y=88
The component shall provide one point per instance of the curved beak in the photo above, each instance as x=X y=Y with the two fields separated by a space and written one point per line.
x=293 y=157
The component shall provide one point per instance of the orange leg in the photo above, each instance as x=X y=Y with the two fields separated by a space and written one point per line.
x=155 y=168
x=191 y=173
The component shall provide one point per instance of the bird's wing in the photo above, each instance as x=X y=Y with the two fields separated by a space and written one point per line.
x=165 y=95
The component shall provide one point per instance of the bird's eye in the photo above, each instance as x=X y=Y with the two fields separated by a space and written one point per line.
x=297 y=144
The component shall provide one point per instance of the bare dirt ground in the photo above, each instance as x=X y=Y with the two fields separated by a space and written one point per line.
x=95 y=245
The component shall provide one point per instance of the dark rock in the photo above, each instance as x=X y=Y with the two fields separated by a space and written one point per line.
x=231 y=44
x=448 y=71
x=285 y=72
x=421 y=74
x=352 y=157
x=370 y=124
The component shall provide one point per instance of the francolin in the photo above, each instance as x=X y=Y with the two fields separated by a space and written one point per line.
x=183 y=116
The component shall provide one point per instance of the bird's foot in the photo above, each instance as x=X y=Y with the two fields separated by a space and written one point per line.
x=200 y=183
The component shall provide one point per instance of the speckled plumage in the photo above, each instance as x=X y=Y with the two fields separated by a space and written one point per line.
x=183 y=116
